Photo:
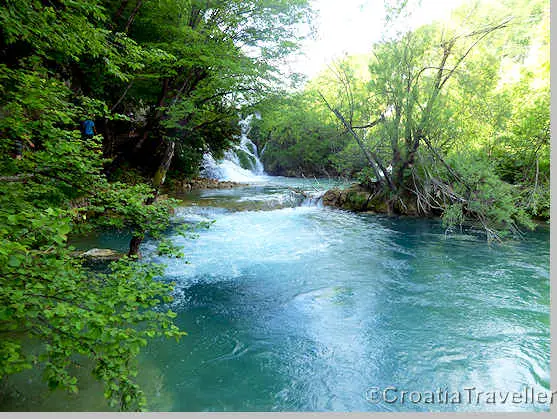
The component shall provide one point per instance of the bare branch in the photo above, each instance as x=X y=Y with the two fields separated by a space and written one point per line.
x=132 y=16
x=372 y=124
x=122 y=97
x=371 y=157
x=484 y=32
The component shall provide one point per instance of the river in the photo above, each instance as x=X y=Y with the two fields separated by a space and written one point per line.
x=308 y=308
x=290 y=306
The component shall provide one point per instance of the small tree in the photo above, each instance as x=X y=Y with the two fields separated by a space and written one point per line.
x=409 y=76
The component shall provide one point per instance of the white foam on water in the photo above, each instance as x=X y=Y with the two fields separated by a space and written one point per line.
x=229 y=168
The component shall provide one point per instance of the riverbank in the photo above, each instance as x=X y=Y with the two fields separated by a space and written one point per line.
x=361 y=199
x=358 y=198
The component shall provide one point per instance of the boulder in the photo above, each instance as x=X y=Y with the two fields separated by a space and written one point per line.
x=360 y=198
x=356 y=198
x=333 y=198
x=101 y=255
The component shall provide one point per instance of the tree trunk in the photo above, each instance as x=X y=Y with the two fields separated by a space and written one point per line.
x=135 y=242
x=371 y=157
x=160 y=174
x=158 y=181
x=109 y=139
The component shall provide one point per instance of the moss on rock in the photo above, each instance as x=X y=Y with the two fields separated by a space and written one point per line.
x=359 y=198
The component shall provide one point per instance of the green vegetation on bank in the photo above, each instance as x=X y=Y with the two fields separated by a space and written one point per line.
x=163 y=82
x=298 y=138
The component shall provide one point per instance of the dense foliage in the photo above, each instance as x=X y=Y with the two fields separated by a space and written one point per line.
x=163 y=81
x=298 y=137
x=451 y=118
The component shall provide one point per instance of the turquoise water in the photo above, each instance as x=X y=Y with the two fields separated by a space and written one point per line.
x=290 y=306
x=308 y=308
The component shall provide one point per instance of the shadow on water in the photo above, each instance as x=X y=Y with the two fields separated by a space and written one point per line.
x=27 y=392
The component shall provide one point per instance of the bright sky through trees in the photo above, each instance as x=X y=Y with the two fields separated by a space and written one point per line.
x=351 y=26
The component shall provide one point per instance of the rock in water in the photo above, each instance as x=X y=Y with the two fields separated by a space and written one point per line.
x=332 y=198
x=359 y=198
x=102 y=254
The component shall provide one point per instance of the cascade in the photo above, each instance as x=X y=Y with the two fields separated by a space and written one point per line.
x=230 y=167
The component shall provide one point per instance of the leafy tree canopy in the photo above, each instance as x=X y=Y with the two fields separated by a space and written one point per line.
x=163 y=81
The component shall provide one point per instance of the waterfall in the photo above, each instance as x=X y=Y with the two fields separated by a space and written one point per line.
x=247 y=146
x=241 y=164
